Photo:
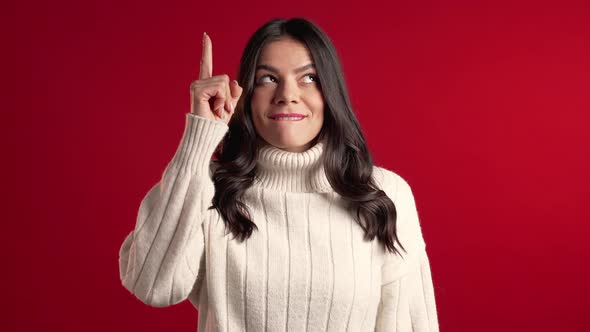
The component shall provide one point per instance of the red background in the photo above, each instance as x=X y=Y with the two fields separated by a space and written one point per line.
x=481 y=105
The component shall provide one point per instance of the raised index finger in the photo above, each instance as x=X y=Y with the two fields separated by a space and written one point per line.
x=206 y=70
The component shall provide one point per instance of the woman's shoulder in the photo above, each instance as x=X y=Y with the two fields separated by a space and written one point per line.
x=390 y=182
x=409 y=229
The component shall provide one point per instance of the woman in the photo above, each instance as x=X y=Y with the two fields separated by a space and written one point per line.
x=292 y=227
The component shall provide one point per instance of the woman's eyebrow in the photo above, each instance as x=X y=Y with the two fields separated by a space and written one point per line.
x=276 y=71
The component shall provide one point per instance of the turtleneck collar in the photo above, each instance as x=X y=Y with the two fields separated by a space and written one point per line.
x=282 y=170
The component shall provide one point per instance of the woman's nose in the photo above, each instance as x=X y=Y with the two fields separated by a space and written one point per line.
x=287 y=92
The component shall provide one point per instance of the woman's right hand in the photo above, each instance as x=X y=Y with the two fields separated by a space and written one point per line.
x=213 y=97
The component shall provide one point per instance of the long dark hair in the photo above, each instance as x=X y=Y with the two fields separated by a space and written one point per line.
x=345 y=150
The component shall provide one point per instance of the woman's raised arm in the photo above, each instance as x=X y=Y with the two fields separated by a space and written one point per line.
x=159 y=261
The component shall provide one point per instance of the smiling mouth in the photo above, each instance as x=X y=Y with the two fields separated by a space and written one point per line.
x=287 y=117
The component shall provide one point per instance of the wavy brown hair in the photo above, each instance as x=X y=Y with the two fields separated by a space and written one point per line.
x=347 y=161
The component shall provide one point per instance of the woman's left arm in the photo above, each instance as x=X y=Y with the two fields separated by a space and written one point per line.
x=408 y=304
x=407 y=293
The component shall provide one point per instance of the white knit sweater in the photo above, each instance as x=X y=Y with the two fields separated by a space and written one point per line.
x=307 y=268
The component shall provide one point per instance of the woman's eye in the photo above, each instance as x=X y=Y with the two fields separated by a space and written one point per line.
x=267 y=79
x=310 y=78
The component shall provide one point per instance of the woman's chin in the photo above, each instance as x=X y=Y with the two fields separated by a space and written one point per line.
x=288 y=140
x=290 y=145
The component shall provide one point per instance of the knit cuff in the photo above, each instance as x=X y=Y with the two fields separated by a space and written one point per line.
x=200 y=139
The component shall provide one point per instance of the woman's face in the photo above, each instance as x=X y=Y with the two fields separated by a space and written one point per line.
x=287 y=104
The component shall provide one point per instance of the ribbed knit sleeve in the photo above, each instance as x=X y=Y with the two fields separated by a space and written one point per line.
x=408 y=304
x=159 y=260
x=407 y=292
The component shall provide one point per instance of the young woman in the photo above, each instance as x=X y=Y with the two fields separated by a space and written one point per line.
x=291 y=227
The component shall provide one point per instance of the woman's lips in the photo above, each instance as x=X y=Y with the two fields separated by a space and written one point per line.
x=287 y=117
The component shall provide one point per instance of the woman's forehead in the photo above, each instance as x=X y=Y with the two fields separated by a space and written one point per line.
x=285 y=54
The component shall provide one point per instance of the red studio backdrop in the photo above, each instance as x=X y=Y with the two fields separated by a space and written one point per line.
x=482 y=106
